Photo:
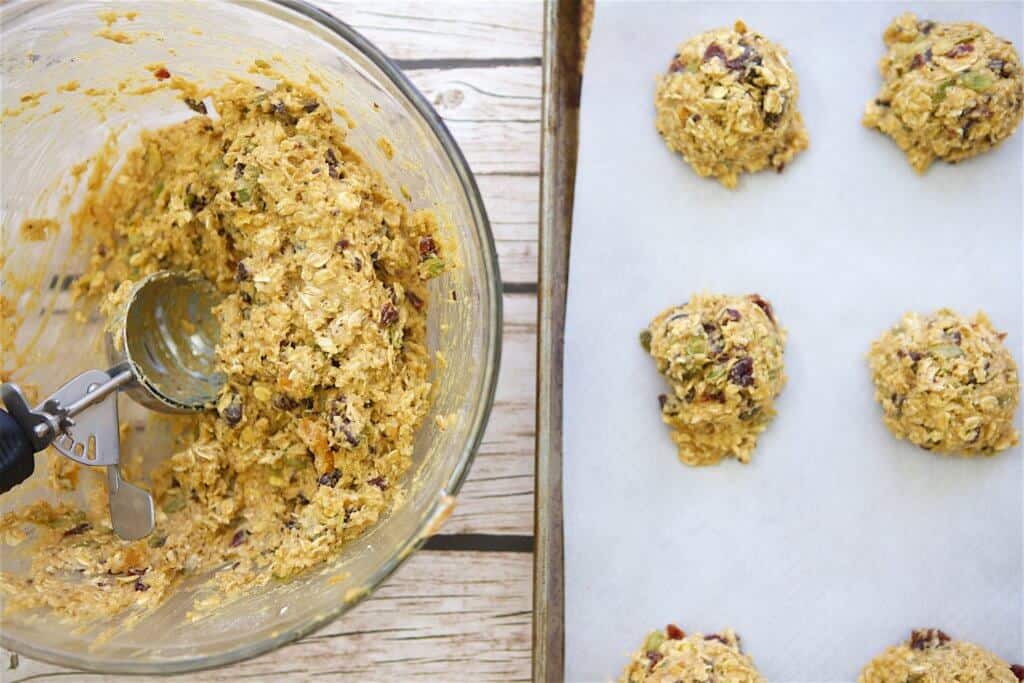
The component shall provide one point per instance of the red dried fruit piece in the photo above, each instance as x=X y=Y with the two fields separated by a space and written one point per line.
x=921 y=58
x=742 y=372
x=715 y=636
x=924 y=638
x=673 y=632
x=655 y=657
x=714 y=50
x=162 y=74
x=78 y=529
x=733 y=314
x=414 y=301
x=763 y=304
x=428 y=247
x=141 y=587
x=662 y=400
x=676 y=65
x=239 y=538
x=233 y=414
x=341 y=245
x=330 y=478
x=960 y=50
x=1018 y=671
x=379 y=482
x=388 y=315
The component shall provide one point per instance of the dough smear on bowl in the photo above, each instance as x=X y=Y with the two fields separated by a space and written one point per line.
x=728 y=104
x=722 y=358
x=672 y=656
x=324 y=276
x=947 y=383
x=931 y=656
x=951 y=91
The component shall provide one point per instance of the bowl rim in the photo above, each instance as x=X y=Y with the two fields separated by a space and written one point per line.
x=482 y=410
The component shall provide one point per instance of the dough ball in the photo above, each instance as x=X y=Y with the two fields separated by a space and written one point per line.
x=722 y=358
x=929 y=656
x=951 y=91
x=946 y=383
x=671 y=656
x=728 y=104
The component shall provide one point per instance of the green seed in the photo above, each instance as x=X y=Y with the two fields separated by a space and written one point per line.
x=172 y=505
x=976 y=80
x=947 y=351
x=654 y=640
x=645 y=340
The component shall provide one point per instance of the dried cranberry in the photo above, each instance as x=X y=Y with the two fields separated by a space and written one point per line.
x=714 y=50
x=332 y=164
x=197 y=106
x=239 y=538
x=739 y=63
x=713 y=397
x=388 y=315
x=233 y=413
x=331 y=478
x=998 y=67
x=662 y=400
x=960 y=50
x=763 y=304
x=141 y=587
x=715 y=636
x=742 y=372
x=1018 y=671
x=673 y=632
x=915 y=356
x=310 y=107
x=956 y=337
x=284 y=402
x=239 y=170
x=162 y=74
x=78 y=529
x=428 y=247
x=925 y=26
x=654 y=656
x=379 y=482
x=241 y=272
x=676 y=65
x=924 y=638
x=414 y=301
x=921 y=58
x=733 y=314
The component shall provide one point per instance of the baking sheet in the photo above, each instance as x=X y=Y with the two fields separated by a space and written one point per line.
x=837 y=539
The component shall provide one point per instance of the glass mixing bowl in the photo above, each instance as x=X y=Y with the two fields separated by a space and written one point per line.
x=47 y=43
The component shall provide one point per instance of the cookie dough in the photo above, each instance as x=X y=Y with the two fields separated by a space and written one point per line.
x=324 y=277
x=722 y=358
x=728 y=104
x=671 y=656
x=947 y=383
x=930 y=656
x=951 y=91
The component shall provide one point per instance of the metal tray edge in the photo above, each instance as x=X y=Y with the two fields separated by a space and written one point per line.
x=563 y=53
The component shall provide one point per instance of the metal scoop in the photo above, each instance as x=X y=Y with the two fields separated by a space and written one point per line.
x=162 y=353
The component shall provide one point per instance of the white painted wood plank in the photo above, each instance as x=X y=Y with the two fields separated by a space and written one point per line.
x=497 y=497
x=445 y=616
x=462 y=29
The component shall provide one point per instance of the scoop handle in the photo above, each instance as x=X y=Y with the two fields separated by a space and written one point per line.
x=17 y=457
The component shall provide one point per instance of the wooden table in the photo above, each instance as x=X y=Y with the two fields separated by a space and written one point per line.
x=461 y=608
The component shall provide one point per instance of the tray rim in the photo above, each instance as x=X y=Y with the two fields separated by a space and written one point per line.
x=562 y=76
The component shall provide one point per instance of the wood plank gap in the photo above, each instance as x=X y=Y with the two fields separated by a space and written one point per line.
x=466 y=63
x=490 y=543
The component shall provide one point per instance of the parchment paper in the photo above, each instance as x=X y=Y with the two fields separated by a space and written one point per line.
x=837 y=539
